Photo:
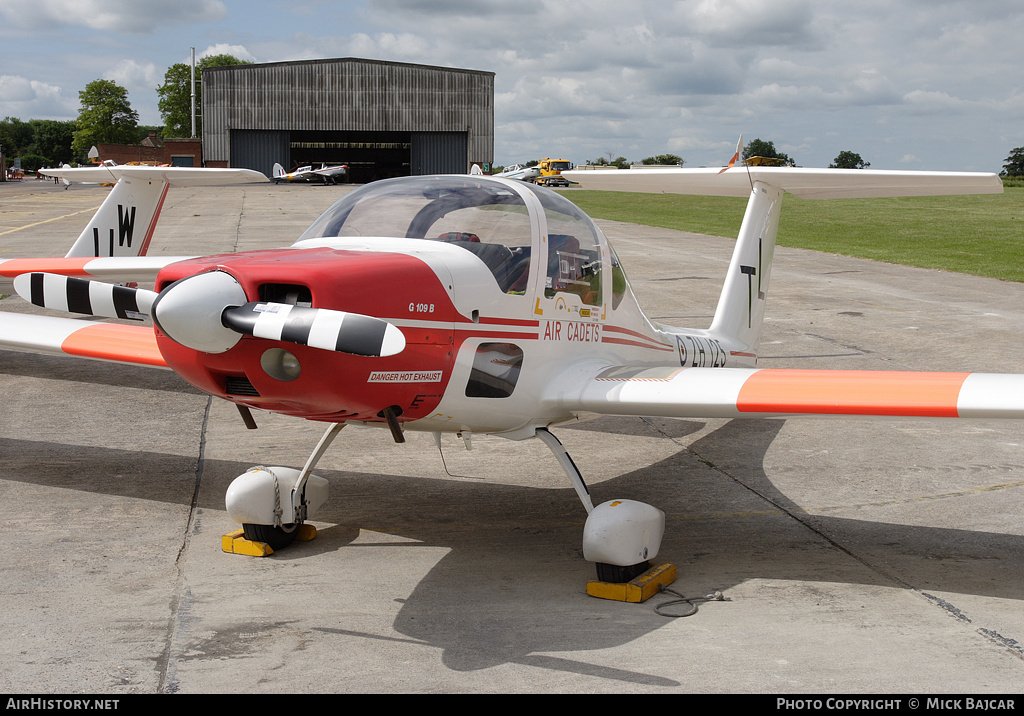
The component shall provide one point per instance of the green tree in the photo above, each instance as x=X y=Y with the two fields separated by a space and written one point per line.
x=46 y=141
x=761 y=148
x=664 y=160
x=52 y=139
x=607 y=161
x=15 y=136
x=105 y=116
x=176 y=94
x=1014 y=166
x=849 y=160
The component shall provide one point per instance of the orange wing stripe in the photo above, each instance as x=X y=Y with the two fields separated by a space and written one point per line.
x=62 y=266
x=115 y=342
x=852 y=392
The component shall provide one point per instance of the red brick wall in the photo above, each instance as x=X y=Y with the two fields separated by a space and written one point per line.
x=125 y=153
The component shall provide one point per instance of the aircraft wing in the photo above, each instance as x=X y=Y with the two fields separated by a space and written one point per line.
x=765 y=393
x=81 y=338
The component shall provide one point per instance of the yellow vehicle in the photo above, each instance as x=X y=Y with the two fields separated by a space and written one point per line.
x=551 y=172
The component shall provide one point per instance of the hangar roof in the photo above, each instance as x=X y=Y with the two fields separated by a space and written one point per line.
x=338 y=60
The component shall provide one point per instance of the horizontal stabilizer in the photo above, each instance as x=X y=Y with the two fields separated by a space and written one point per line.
x=176 y=176
x=804 y=183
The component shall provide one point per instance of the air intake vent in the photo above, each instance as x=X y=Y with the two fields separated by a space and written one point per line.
x=240 y=385
x=292 y=293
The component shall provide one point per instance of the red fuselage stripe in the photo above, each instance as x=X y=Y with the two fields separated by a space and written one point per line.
x=624 y=342
x=651 y=342
x=509 y=322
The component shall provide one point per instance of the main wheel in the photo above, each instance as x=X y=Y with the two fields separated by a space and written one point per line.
x=616 y=575
x=276 y=537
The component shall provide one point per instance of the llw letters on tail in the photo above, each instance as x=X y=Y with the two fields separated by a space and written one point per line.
x=124 y=223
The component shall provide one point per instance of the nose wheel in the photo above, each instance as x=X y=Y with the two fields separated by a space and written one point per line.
x=273 y=503
x=274 y=537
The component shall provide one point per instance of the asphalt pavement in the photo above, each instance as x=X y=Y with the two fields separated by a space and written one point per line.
x=854 y=556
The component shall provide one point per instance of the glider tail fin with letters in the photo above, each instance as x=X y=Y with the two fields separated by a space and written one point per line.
x=124 y=223
x=738 y=317
x=740 y=310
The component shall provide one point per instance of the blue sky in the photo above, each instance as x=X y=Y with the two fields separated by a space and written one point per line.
x=908 y=84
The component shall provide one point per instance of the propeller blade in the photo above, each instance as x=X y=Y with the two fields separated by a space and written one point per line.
x=316 y=327
x=185 y=311
x=78 y=295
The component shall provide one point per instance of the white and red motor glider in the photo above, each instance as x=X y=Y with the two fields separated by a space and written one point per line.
x=462 y=304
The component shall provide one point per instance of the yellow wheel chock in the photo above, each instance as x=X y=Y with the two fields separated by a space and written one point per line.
x=638 y=589
x=236 y=543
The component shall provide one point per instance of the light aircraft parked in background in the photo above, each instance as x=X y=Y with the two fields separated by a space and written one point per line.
x=325 y=174
x=519 y=172
x=463 y=304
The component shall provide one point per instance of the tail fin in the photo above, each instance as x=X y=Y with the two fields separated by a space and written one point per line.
x=740 y=311
x=124 y=223
x=278 y=170
x=741 y=306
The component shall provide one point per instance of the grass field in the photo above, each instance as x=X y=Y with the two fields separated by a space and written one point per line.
x=980 y=235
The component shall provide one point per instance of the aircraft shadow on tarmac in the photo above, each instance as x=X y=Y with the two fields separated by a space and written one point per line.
x=34 y=365
x=513 y=552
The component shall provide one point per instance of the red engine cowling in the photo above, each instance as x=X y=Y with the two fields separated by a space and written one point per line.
x=320 y=384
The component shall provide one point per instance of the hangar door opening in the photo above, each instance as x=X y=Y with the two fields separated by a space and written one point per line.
x=381 y=155
x=369 y=155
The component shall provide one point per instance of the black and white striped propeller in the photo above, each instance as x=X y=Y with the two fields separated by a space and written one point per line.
x=76 y=295
x=209 y=312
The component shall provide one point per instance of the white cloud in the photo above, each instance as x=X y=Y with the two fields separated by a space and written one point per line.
x=16 y=89
x=746 y=23
x=135 y=75
x=128 y=16
x=24 y=98
x=920 y=101
x=238 y=51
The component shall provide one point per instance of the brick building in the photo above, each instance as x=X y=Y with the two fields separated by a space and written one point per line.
x=175 y=152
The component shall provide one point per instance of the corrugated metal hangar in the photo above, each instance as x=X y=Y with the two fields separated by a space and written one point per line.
x=382 y=119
